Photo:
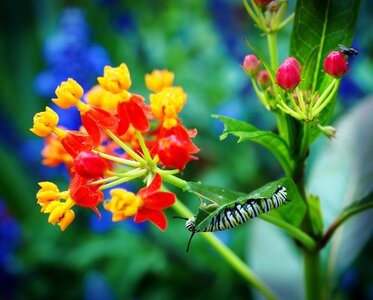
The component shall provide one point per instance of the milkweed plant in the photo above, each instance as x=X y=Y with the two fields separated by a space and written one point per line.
x=125 y=136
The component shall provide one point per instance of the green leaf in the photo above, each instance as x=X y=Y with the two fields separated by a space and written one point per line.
x=247 y=132
x=315 y=215
x=322 y=25
x=319 y=26
x=219 y=198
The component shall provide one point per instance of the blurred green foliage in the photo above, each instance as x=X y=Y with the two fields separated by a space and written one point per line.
x=201 y=41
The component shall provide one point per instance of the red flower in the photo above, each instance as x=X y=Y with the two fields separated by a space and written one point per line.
x=75 y=142
x=132 y=112
x=174 y=146
x=85 y=195
x=335 y=64
x=94 y=119
x=288 y=74
x=90 y=165
x=153 y=202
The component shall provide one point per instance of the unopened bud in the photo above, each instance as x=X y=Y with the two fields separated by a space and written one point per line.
x=251 y=65
x=329 y=131
x=288 y=74
x=263 y=79
x=262 y=3
x=89 y=165
x=335 y=64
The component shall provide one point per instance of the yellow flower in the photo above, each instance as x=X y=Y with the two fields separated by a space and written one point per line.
x=123 y=204
x=44 y=122
x=61 y=213
x=115 y=80
x=101 y=98
x=167 y=104
x=49 y=192
x=158 y=80
x=68 y=94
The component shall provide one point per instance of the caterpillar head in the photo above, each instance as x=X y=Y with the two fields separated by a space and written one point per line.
x=190 y=224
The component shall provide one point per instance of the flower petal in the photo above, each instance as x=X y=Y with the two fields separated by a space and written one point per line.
x=136 y=114
x=154 y=187
x=155 y=216
x=92 y=128
x=159 y=200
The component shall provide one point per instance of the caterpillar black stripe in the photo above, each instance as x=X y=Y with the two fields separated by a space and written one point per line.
x=240 y=212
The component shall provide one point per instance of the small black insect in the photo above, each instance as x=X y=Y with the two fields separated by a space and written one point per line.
x=349 y=52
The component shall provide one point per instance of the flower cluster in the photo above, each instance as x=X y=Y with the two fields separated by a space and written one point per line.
x=121 y=138
x=301 y=104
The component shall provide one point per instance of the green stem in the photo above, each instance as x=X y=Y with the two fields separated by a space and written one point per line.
x=286 y=21
x=312 y=275
x=320 y=105
x=230 y=257
x=295 y=232
x=119 y=160
x=305 y=139
x=341 y=219
x=260 y=95
x=176 y=181
x=144 y=148
x=251 y=12
x=136 y=173
x=125 y=147
x=272 y=46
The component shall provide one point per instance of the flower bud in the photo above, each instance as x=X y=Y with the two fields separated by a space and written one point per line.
x=251 y=65
x=288 y=74
x=68 y=94
x=335 y=64
x=89 y=165
x=262 y=3
x=293 y=61
x=45 y=122
x=115 y=80
x=158 y=80
x=263 y=79
x=329 y=131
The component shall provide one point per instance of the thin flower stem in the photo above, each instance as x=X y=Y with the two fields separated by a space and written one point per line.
x=301 y=99
x=119 y=160
x=230 y=257
x=297 y=109
x=105 y=180
x=324 y=95
x=289 y=111
x=133 y=175
x=250 y=12
x=327 y=100
x=143 y=146
x=286 y=21
x=295 y=232
x=260 y=95
x=125 y=147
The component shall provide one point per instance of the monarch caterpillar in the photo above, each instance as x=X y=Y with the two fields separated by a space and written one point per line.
x=239 y=213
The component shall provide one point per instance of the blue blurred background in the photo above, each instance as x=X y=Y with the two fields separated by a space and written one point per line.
x=44 y=42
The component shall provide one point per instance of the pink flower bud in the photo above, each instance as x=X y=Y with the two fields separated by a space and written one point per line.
x=335 y=64
x=262 y=3
x=293 y=60
x=251 y=65
x=263 y=79
x=89 y=165
x=288 y=74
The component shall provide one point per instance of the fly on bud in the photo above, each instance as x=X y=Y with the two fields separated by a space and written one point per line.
x=288 y=74
x=335 y=64
x=251 y=65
